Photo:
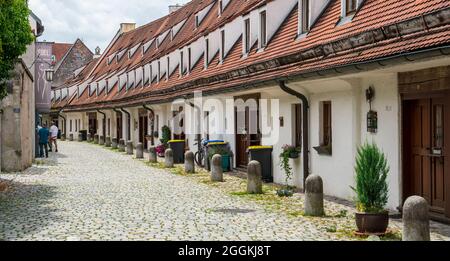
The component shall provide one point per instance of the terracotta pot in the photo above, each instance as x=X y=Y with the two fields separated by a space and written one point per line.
x=372 y=224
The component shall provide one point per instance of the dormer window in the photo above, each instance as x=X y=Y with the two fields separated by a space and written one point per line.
x=263 y=29
x=168 y=68
x=181 y=64
x=206 y=53
x=247 y=36
x=197 y=21
x=350 y=7
x=222 y=46
x=159 y=71
x=304 y=17
x=189 y=60
x=220 y=7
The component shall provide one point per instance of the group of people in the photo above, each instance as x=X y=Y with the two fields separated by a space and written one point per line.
x=47 y=137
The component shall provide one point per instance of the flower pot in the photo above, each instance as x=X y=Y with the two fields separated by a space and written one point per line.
x=294 y=155
x=372 y=224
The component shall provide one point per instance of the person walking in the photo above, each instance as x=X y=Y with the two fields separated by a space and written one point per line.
x=43 y=134
x=54 y=136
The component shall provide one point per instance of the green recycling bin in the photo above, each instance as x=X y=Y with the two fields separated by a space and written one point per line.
x=221 y=148
x=177 y=147
x=263 y=154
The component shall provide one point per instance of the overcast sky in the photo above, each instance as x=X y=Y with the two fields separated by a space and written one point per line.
x=95 y=22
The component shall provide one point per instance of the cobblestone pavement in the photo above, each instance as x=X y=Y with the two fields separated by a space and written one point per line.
x=91 y=193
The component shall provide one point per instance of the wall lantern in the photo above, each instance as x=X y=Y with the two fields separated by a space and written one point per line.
x=372 y=116
x=49 y=75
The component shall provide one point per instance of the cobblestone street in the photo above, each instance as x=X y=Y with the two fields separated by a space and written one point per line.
x=91 y=193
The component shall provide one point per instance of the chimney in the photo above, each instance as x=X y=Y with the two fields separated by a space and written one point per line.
x=126 y=27
x=173 y=8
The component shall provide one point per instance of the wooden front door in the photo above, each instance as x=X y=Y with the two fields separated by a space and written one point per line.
x=93 y=123
x=426 y=151
x=246 y=129
x=143 y=128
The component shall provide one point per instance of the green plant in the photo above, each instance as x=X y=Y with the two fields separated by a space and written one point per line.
x=371 y=179
x=15 y=35
x=286 y=166
x=166 y=135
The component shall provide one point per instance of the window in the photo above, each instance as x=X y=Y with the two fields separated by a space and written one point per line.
x=206 y=53
x=247 y=36
x=197 y=21
x=220 y=7
x=350 y=7
x=189 y=60
x=326 y=137
x=159 y=71
x=168 y=68
x=182 y=71
x=298 y=125
x=263 y=29
x=222 y=46
x=304 y=26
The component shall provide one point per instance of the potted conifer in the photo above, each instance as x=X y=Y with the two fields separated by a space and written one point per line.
x=371 y=190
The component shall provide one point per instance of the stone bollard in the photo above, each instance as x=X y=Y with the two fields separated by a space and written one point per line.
x=152 y=157
x=89 y=137
x=314 y=196
x=108 y=142
x=216 y=168
x=63 y=137
x=114 y=143
x=168 y=160
x=101 y=140
x=80 y=137
x=71 y=137
x=122 y=145
x=129 y=147
x=416 y=219
x=96 y=139
x=254 y=178
x=189 y=165
x=139 y=151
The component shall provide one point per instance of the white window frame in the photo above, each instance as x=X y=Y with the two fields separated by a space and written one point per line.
x=301 y=14
x=260 y=33
x=246 y=36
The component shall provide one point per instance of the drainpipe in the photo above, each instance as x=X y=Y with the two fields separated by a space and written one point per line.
x=305 y=106
x=64 y=118
x=152 y=127
x=129 y=123
x=104 y=123
x=199 y=135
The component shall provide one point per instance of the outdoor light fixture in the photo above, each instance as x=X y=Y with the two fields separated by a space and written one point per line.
x=49 y=75
x=372 y=116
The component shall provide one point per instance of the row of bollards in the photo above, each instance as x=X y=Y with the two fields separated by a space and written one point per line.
x=416 y=220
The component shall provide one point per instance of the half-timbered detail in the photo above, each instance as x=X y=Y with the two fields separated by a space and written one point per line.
x=296 y=72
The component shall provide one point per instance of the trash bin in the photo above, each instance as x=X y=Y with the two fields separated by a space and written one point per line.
x=177 y=147
x=218 y=147
x=83 y=135
x=263 y=154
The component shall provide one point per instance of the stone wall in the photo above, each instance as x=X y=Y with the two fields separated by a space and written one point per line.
x=17 y=129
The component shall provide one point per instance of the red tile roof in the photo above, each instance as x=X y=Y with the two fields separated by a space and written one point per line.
x=60 y=49
x=373 y=20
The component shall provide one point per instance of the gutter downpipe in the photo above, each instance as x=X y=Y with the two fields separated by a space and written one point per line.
x=199 y=135
x=129 y=123
x=104 y=123
x=152 y=127
x=305 y=107
x=64 y=118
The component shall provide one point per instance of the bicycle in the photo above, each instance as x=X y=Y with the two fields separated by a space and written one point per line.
x=199 y=156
